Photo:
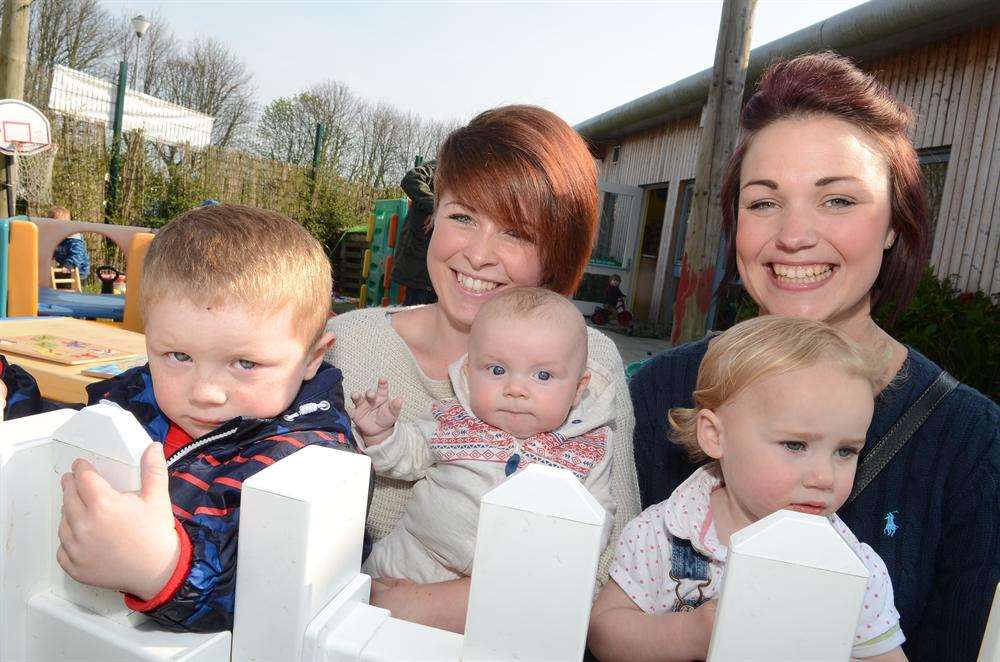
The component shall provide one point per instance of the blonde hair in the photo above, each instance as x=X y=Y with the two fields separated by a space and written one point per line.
x=535 y=303
x=762 y=347
x=59 y=210
x=221 y=254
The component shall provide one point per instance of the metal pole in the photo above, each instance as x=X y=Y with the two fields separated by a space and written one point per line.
x=116 y=144
x=318 y=146
x=8 y=166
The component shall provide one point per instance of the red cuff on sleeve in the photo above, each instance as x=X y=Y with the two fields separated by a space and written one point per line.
x=176 y=580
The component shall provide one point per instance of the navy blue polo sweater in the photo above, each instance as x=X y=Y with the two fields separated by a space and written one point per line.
x=940 y=492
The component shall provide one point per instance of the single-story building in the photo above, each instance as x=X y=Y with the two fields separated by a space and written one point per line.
x=940 y=57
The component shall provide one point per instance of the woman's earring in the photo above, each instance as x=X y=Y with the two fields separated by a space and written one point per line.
x=890 y=240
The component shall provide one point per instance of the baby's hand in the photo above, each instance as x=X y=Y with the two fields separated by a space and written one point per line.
x=374 y=414
x=3 y=399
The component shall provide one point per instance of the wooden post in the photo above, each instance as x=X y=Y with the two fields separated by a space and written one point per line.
x=718 y=137
x=13 y=61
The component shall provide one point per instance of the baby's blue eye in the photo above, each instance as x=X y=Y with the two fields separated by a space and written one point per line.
x=497 y=370
x=794 y=446
x=180 y=357
x=847 y=452
x=245 y=364
x=543 y=375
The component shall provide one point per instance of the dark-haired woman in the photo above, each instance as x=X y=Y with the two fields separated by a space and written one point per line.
x=516 y=204
x=824 y=202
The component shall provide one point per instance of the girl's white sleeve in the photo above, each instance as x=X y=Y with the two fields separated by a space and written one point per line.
x=878 y=630
x=641 y=559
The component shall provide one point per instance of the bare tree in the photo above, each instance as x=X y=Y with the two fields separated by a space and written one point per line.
x=157 y=46
x=286 y=128
x=74 y=33
x=210 y=78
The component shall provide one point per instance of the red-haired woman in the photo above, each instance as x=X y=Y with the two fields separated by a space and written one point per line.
x=516 y=206
x=824 y=201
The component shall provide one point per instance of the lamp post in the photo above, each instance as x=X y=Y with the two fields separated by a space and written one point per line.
x=139 y=25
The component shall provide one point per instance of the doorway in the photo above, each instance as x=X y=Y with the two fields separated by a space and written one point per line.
x=649 y=247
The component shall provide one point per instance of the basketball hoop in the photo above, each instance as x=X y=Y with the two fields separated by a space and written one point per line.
x=26 y=140
x=32 y=174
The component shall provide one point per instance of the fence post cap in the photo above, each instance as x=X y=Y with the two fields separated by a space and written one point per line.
x=798 y=538
x=107 y=430
x=548 y=491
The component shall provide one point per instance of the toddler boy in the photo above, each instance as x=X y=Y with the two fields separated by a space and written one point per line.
x=235 y=304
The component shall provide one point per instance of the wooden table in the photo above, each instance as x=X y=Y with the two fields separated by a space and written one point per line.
x=64 y=382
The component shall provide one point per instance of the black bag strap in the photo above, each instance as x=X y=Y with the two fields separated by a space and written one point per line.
x=901 y=431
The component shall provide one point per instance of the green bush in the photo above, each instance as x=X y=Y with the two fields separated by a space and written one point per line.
x=960 y=331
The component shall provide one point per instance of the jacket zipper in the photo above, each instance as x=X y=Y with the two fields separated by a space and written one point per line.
x=193 y=446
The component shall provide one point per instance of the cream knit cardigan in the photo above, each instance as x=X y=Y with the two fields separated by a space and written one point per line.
x=367 y=347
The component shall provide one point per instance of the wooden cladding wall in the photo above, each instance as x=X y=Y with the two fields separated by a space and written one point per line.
x=953 y=87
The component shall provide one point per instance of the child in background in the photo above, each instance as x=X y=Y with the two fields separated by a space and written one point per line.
x=525 y=394
x=235 y=304
x=783 y=406
x=71 y=252
x=614 y=298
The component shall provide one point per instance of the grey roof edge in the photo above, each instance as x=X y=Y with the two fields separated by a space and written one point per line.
x=866 y=31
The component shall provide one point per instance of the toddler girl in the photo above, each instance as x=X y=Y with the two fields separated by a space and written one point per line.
x=782 y=407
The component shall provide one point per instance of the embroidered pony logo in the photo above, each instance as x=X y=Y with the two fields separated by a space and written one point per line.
x=890 y=524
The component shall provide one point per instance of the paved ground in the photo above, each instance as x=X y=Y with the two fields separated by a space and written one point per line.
x=635 y=349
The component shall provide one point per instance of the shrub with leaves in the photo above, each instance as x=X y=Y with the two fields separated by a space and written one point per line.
x=960 y=331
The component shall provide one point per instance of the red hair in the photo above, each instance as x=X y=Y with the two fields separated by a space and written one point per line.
x=830 y=84
x=530 y=172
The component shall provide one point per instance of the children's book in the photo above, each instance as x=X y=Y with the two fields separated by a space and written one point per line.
x=61 y=350
x=109 y=370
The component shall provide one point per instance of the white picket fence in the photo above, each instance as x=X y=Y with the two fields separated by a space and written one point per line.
x=300 y=593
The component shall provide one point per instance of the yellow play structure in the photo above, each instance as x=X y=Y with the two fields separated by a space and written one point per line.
x=32 y=241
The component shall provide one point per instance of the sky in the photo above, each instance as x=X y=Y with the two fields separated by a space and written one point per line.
x=450 y=60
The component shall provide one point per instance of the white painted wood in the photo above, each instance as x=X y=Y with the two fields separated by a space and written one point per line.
x=792 y=590
x=61 y=630
x=539 y=539
x=302 y=525
x=44 y=615
x=113 y=441
x=26 y=556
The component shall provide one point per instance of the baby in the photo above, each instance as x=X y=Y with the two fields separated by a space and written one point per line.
x=524 y=394
x=782 y=406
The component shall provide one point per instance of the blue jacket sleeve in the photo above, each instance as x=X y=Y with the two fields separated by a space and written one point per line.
x=205 y=601
x=23 y=397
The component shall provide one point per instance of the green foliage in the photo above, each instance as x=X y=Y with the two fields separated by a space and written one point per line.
x=960 y=331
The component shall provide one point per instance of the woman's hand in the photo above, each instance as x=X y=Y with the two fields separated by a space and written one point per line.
x=374 y=414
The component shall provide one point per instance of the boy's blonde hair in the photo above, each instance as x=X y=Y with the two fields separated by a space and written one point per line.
x=537 y=303
x=58 y=211
x=260 y=259
x=759 y=348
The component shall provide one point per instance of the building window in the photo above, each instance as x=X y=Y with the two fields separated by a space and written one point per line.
x=615 y=153
x=934 y=166
x=602 y=247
